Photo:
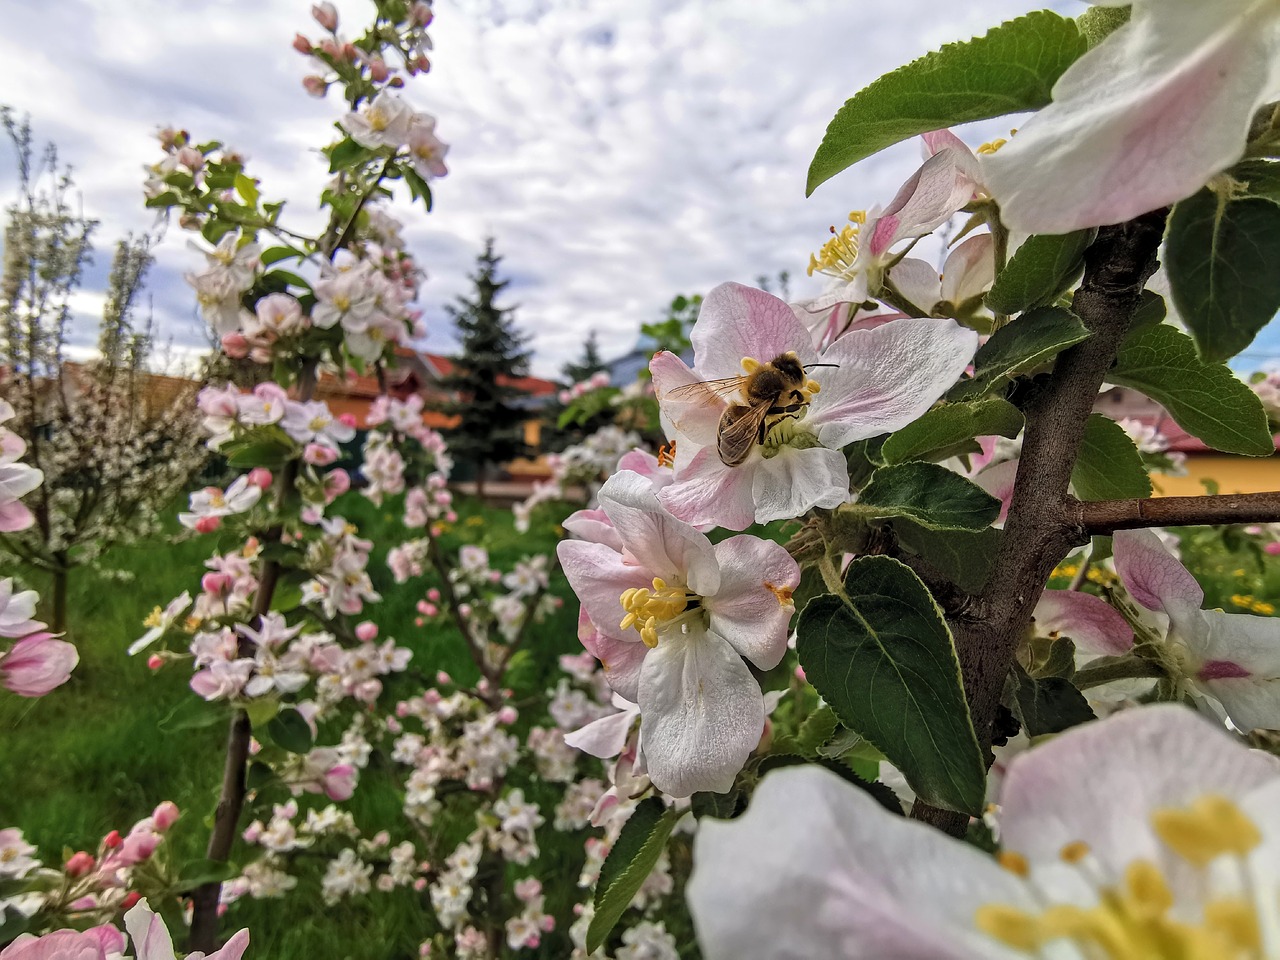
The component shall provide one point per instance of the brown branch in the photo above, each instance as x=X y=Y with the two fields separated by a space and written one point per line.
x=1107 y=516
x=1117 y=266
x=226 y=817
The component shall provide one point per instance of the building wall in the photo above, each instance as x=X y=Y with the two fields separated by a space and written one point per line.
x=1233 y=475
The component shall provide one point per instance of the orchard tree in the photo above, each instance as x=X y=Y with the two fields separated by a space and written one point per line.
x=493 y=355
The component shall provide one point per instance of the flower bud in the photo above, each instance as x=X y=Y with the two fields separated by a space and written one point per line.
x=80 y=863
x=443 y=679
x=326 y=14
x=348 y=420
x=318 y=455
x=216 y=583
x=301 y=43
x=208 y=524
x=367 y=631
x=420 y=13
x=112 y=840
x=130 y=901
x=191 y=158
x=330 y=49
x=378 y=71
x=1272 y=548
x=165 y=815
x=235 y=345
x=315 y=86
x=260 y=477
x=507 y=716
x=155 y=662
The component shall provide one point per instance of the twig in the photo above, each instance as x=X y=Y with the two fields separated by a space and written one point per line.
x=1108 y=516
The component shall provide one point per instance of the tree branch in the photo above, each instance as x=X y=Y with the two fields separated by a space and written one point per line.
x=1117 y=266
x=1104 y=517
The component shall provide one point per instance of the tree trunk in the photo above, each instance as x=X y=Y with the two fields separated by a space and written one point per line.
x=480 y=481
x=58 y=616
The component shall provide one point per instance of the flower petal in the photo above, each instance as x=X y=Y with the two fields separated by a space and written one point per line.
x=887 y=377
x=1092 y=623
x=599 y=578
x=701 y=713
x=662 y=544
x=696 y=420
x=1142 y=120
x=706 y=491
x=1241 y=667
x=737 y=321
x=1099 y=783
x=1152 y=575
x=753 y=608
x=619 y=659
x=604 y=737
x=796 y=480
x=816 y=868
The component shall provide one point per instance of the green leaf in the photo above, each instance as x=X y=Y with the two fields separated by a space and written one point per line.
x=629 y=862
x=718 y=806
x=816 y=730
x=1151 y=310
x=257 y=453
x=196 y=873
x=291 y=278
x=945 y=426
x=1221 y=258
x=1011 y=69
x=247 y=187
x=1040 y=271
x=1109 y=466
x=1260 y=178
x=1205 y=398
x=1045 y=706
x=192 y=714
x=964 y=557
x=288 y=729
x=885 y=662
x=1029 y=341
x=418 y=186
x=927 y=493
x=346 y=153
x=276 y=254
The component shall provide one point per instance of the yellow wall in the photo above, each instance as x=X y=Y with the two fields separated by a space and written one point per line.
x=1233 y=474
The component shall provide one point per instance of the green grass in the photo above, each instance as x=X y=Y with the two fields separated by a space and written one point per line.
x=91 y=756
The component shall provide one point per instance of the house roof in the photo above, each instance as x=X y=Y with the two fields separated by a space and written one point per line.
x=442 y=366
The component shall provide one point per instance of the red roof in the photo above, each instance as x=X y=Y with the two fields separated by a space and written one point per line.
x=533 y=386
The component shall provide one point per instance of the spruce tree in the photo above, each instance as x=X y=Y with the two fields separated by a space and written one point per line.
x=490 y=422
x=589 y=363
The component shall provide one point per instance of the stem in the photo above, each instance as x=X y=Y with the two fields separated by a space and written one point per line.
x=1130 y=668
x=1078 y=581
x=345 y=236
x=1037 y=535
x=1108 y=516
x=58 y=619
x=226 y=818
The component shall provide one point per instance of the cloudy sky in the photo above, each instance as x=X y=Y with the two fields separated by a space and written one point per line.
x=621 y=153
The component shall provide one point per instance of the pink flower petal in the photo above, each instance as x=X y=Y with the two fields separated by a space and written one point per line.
x=753 y=607
x=737 y=321
x=1092 y=623
x=1152 y=575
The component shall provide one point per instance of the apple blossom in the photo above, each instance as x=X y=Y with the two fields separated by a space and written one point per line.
x=678 y=616
x=313 y=422
x=16 y=611
x=1230 y=658
x=37 y=664
x=16 y=479
x=426 y=150
x=161 y=621
x=1144 y=119
x=1149 y=834
x=151 y=940
x=967 y=275
x=857 y=256
x=872 y=382
x=384 y=122
x=211 y=502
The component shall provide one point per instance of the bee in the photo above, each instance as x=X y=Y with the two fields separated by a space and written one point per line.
x=770 y=393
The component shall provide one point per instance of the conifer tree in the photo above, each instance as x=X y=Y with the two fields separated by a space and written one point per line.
x=589 y=363
x=490 y=420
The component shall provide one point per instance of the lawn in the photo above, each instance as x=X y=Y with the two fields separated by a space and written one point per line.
x=91 y=756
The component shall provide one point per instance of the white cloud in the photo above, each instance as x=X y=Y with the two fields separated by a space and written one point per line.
x=620 y=153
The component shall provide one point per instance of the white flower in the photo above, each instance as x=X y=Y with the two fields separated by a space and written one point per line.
x=1151 y=834
x=161 y=621
x=1144 y=119
x=384 y=122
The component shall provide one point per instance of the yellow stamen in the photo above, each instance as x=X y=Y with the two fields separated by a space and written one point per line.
x=1014 y=862
x=1212 y=826
x=1075 y=851
x=648 y=609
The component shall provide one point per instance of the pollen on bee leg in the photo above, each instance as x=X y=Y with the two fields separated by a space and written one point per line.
x=751 y=365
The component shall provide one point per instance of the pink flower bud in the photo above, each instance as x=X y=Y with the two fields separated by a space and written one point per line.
x=112 y=840
x=368 y=691
x=430 y=610
x=800 y=673
x=315 y=86
x=443 y=679
x=191 y=158
x=252 y=832
x=1272 y=548
x=129 y=902
x=260 y=477
x=80 y=863
x=301 y=43
x=155 y=662
x=394 y=725
x=507 y=716
x=336 y=483
x=347 y=419
x=419 y=622
x=326 y=14
x=330 y=48
x=433 y=595
x=367 y=631
x=378 y=71
x=420 y=884
x=318 y=455
x=235 y=345
x=464 y=609
x=208 y=524
x=165 y=815
x=339 y=782
x=420 y=13
x=216 y=583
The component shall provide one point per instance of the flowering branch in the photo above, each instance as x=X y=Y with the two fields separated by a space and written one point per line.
x=1107 y=516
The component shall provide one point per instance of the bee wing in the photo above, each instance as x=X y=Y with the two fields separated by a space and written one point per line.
x=707 y=391
x=737 y=437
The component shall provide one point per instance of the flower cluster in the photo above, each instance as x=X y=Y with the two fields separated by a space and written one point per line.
x=583 y=387
x=580 y=465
